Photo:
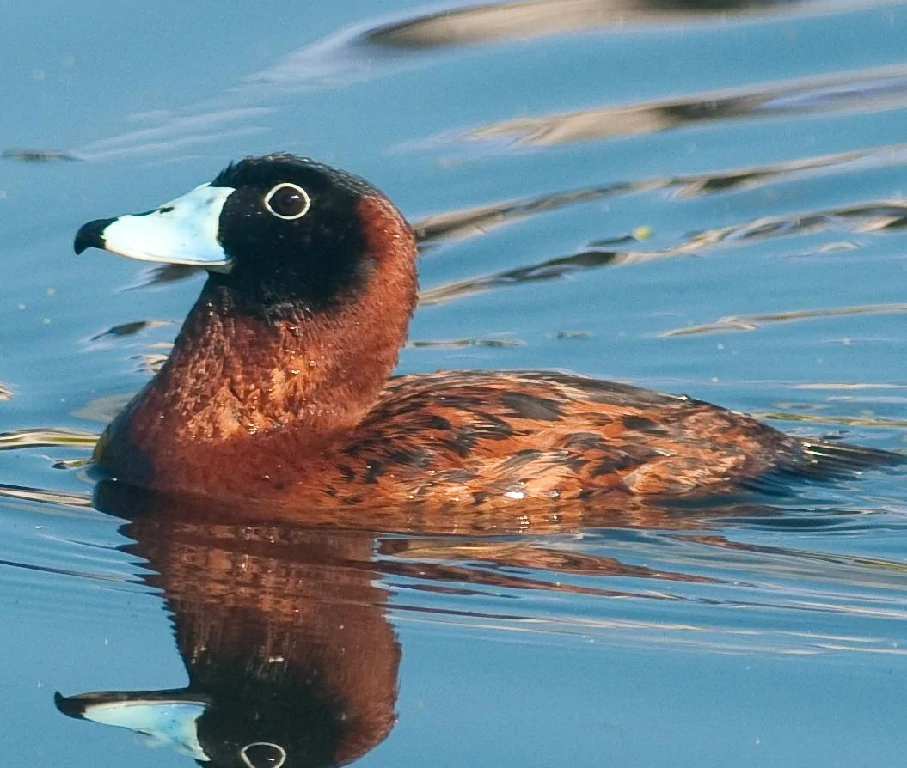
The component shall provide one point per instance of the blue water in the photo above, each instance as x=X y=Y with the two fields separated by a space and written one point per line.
x=697 y=199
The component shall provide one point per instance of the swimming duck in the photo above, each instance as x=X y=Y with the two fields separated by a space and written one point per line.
x=279 y=383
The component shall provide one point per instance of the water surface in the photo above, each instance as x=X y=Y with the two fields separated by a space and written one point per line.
x=698 y=197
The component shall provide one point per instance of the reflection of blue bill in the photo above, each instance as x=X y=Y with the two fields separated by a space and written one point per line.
x=169 y=722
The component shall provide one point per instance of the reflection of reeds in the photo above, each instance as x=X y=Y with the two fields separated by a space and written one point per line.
x=463 y=343
x=46 y=438
x=165 y=273
x=849 y=421
x=36 y=155
x=478 y=221
x=45 y=496
x=471 y=222
x=152 y=362
x=474 y=222
x=130 y=329
x=801 y=555
x=547 y=270
x=835 y=385
x=869 y=90
x=502 y=565
x=860 y=218
x=50 y=438
x=752 y=322
x=488 y=22
x=866 y=217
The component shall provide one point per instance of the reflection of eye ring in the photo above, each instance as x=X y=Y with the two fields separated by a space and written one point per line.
x=288 y=201
x=281 y=756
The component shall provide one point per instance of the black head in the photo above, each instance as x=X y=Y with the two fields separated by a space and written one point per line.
x=294 y=230
x=271 y=230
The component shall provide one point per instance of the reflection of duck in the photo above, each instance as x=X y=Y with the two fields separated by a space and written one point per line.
x=283 y=630
x=290 y=657
x=277 y=387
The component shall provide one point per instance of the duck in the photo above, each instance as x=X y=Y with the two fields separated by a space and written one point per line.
x=280 y=387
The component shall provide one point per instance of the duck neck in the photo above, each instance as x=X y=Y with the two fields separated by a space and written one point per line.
x=234 y=372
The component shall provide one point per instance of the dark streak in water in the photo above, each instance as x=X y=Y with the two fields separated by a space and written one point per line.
x=60 y=571
x=167 y=273
x=45 y=496
x=551 y=269
x=462 y=343
x=46 y=438
x=487 y=23
x=129 y=329
x=477 y=221
x=753 y=322
x=37 y=155
x=864 y=91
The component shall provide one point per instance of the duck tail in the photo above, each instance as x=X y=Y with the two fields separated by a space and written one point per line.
x=829 y=457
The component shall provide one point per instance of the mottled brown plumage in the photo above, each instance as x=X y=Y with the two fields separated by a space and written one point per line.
x=479 y=436
x=277 y=388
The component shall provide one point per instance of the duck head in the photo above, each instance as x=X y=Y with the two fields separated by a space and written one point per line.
x=311 y=285
x=276 y=230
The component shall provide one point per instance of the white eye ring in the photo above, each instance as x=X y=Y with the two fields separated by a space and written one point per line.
x=281 y=753
x=285 y=185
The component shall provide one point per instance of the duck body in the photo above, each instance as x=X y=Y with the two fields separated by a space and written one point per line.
x=279 y=385
x=474 y=438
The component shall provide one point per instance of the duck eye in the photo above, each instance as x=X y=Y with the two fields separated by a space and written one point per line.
x=263 y=754
x=288 y=201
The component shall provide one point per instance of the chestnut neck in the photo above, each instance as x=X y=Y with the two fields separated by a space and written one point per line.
x=239 y=369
